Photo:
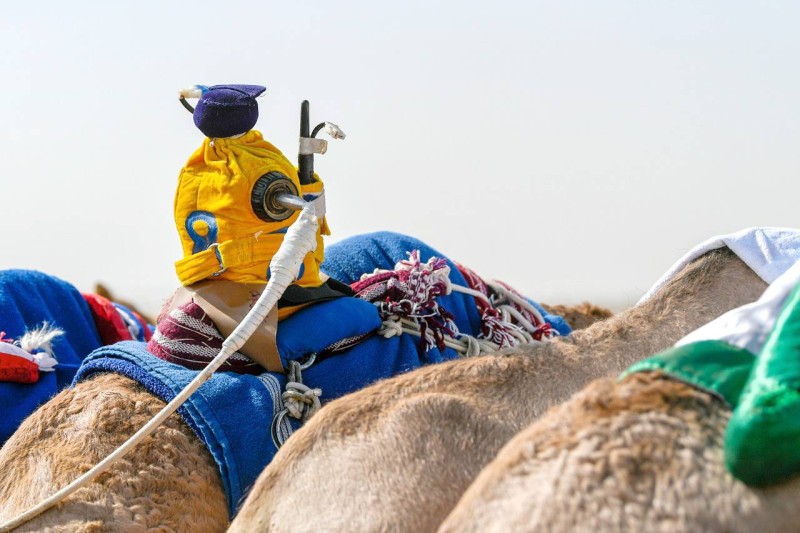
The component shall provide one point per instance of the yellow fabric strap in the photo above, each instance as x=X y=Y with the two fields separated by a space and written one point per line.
x=232 y=254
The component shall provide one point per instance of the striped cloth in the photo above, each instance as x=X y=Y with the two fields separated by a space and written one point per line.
x=188 y=337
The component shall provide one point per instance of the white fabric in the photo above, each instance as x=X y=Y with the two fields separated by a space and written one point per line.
x=749 y=325
x=46 y=362
x=770 y=252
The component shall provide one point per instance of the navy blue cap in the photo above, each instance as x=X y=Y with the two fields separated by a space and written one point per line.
x=227 y=110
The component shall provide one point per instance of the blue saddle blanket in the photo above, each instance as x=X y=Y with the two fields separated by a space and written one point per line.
x=27 y=299
x=232 y=413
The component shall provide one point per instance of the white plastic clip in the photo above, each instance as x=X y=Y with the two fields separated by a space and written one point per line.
x=334 y=131
x=195 y=91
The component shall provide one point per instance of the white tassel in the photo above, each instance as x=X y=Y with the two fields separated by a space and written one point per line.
x=39 y=343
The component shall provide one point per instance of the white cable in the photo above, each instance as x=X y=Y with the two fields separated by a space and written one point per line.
x=300 y=239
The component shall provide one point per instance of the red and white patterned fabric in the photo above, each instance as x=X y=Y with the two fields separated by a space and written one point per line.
x=115 y=323
x=189 y=338
x=22 y=360
x=16 y=365
x=409 y=292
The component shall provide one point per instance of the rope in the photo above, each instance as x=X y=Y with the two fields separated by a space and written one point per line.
x=410 y=291
x=465 y=345
x=300 y=401
x=504 y=294
x=504 y=301
x=300 y=239
x=406 y=301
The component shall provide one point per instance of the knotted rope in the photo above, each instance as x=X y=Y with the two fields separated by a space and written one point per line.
x=409 y=291
x=300 y=401
x=406 y=301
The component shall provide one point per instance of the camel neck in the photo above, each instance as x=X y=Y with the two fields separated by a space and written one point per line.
x=706 y=288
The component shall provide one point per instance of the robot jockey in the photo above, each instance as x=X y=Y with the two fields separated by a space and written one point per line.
x=230 y=224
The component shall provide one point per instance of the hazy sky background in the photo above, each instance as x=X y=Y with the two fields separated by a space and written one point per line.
x=574 y=149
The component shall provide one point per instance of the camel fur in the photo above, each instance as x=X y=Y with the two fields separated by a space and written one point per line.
x=399 y=454
x=365 y=460
x=643 y=454
x=102 y=290
x=579 y=316
x=168 y=482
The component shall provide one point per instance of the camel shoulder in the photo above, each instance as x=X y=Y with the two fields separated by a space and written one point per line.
x=82 y=425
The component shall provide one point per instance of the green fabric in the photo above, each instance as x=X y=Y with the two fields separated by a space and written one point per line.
x=762 y=442
x=712 y=365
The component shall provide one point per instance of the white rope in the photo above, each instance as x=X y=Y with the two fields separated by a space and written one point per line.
x=509 y=310
x=391 y=328
x=473 y=346
x=471 y=292
x=504 y=293
x=300 y=239
x=299 y=400
x=467 y=345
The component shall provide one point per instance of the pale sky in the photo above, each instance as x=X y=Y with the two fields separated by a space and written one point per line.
x=574 y=149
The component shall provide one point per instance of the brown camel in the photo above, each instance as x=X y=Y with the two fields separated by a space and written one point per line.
x=168 y=482
x=102 y=290
x=80 y=426
x=399 y=454
x=85 y=424
x=642 y=454
x=579 y=316
x=363 y=462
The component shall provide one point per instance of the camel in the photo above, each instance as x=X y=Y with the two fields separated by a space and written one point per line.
x=89 y=421
x=399 y=454
x=80 y=426
x=579 y=316
x=641 y=454
x=169 y=481
x=389 y=437
x=101 y=290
